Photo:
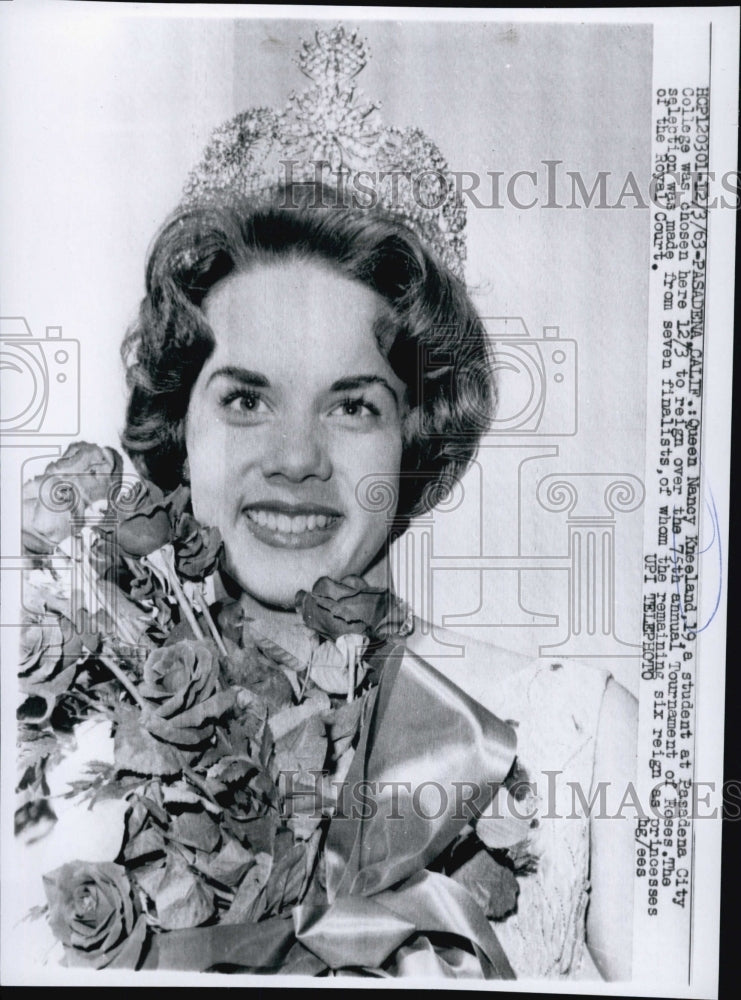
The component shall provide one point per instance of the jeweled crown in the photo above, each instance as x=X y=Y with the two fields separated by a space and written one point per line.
x=330 y=134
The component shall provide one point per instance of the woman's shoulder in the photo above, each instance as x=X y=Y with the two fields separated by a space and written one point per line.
x=504 y=680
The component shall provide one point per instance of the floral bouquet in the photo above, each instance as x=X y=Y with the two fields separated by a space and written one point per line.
x=276 y=779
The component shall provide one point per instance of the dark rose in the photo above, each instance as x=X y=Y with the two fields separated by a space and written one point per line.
x=41 y=648
x=182 y=690
x=51 y=642
x=49 y=655
x=147 y=590
x=147 y=527
x=197 y=549
x=248 y=795
x=143 y=585
x=251 y=669
x=84 y=474
x=229 y=617
x=156 y=519
x=350 y=607
x=95 y=915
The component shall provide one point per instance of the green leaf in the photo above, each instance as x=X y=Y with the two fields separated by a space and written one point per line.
x=181 y=794
x=289 y=874
x=264 y=678
x=248 y=905
x=289 y=645
x=260 y=833
x=303 y=826
x=195 y=829
x=34 y=820
x=238 y=736
x=51 y=686
x=343 y=724
x=303 y=748
x=230 y=864
x=136 y=818
x=100 y=784
x=292 y=716
x=182 y=899
x=232 y=769
x=37 y=748
x=149 y=841
x=36 y=912
x=155 y=808
x=137 y=750
x=330 y=670
x=149 y=877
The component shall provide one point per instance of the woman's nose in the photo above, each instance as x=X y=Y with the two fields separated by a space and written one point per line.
x=297 y=451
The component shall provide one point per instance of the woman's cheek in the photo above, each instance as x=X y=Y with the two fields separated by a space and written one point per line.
x=211 y=469
x=381 y=490
x=370 y=464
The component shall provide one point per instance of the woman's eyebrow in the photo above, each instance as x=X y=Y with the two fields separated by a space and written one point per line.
x=360 y=381
x=243 y=375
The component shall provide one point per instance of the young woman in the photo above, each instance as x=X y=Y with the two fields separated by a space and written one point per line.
x=290 y=349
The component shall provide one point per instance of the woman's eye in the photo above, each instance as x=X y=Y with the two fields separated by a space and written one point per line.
x=244 y=403
x=355 y=408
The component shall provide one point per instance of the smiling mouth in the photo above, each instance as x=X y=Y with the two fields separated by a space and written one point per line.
x=301 y=528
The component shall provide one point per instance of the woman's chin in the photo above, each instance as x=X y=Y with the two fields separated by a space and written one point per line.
x=279 y=595
x=277 y=591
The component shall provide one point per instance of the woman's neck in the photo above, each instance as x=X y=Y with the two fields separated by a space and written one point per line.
x=377 y=575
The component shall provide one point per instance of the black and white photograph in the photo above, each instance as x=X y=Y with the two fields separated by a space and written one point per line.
x=365 y=441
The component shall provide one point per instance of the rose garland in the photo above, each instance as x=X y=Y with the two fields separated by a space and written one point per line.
x=231 y=736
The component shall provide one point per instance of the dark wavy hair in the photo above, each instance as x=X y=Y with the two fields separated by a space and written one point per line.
x=436 y=345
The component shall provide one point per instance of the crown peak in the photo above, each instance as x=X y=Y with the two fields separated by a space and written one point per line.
x=330 y=125
x=334 y=56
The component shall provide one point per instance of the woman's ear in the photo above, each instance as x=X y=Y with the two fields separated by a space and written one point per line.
x=185 y=474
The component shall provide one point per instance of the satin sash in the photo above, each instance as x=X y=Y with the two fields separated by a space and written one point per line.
x=429 y=758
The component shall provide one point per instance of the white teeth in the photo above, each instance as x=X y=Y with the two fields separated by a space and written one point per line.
x=288 y=525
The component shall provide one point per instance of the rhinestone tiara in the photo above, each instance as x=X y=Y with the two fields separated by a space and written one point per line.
x=330 y=134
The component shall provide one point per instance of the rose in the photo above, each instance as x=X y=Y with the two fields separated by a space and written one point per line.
x=51 y=642
x=249 y=668
x=42 y=672
x=41 y=648
x=44 y=591
x=95 y=915
x=182 y=692
x=148 y=526
x=249 y=797
x=180 y=676
x=147 y=590
x=143 y=585
x=351 y=607
x=85 y=474
x=159 y=519
x=49 y=655
x=197 y=549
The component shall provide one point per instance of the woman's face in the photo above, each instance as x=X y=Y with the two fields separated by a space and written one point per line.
x=295 y=405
